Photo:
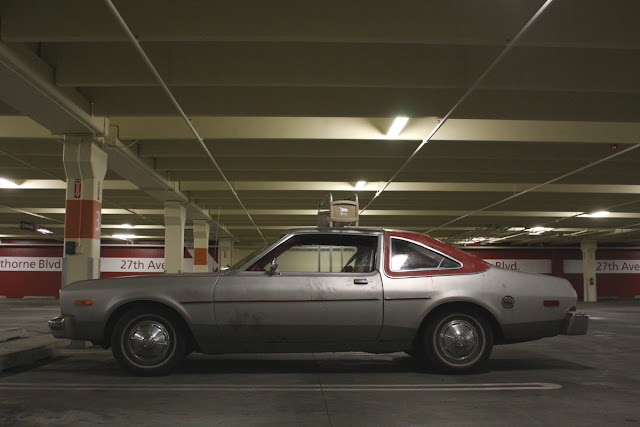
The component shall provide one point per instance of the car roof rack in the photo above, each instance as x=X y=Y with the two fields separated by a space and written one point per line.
x=339 y=213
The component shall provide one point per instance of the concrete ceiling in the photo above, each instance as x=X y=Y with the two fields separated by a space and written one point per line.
x=294 y=101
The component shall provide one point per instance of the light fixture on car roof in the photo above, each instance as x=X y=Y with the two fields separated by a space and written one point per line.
x=396 y=127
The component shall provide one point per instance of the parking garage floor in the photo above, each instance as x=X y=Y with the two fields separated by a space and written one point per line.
x=583 y=380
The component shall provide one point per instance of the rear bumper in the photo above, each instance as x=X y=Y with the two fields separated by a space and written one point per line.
x=575 y=324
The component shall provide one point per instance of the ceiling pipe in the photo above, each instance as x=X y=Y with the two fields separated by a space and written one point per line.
x=152 y=68
x=510 y=45
x=128 y=165
x=528 y=190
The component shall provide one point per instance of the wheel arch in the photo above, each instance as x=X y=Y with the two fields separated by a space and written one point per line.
x=117 y=312
x=467 y=307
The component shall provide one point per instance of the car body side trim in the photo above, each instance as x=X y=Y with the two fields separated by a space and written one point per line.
x=309 y=300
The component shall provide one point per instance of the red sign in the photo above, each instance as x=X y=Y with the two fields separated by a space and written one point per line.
x=77 y=188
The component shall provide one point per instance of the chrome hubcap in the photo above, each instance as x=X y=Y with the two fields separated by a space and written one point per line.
x=458 y=339
x=149 y=341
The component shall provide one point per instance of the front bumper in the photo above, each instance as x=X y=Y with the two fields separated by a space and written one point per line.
x=58 y=327
x=575 y=324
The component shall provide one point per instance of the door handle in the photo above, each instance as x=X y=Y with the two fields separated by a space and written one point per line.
x=360 y=281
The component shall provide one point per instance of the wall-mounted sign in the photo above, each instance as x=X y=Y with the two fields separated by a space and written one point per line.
x=542 y=266
x=617 y=266
x=77 y=188
x=27 y=226
x=35 y=227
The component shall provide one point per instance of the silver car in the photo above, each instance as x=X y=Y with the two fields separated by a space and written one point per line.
x=323 y=289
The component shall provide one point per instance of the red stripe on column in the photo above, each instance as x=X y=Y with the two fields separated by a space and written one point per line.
x=200 y=256
x=82 y=219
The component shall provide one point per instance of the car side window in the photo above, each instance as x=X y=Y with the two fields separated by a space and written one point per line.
x=408 y=256
x=323 y=253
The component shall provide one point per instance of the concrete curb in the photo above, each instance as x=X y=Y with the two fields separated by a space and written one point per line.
x=12 y=333
x=27 y=351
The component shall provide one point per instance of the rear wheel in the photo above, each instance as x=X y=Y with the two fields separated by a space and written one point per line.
x=457 y=341
x=149 y=341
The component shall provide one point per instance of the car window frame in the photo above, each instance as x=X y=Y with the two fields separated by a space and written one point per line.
x=419 y=270
x=377 y=253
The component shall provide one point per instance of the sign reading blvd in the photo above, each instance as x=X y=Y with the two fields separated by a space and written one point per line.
x=542 y=266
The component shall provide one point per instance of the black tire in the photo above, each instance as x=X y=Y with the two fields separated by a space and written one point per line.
x=149 y=341
x=457 y=341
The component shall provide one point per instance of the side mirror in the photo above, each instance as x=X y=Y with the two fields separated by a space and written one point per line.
x=273 y=268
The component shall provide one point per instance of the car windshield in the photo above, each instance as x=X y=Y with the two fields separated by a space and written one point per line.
x=244 y=260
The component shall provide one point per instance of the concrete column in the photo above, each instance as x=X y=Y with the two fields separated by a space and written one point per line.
x=225 y=249
x=175 y=216
x=589 y=267
x=85 y=165
x=200 y=246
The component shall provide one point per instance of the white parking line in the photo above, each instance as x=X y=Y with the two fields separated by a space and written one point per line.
x=280 y=387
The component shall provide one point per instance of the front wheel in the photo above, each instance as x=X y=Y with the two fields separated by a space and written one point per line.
x=457 y=341
x=149 y=341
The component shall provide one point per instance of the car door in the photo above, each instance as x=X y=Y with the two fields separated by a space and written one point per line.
x=327 y=289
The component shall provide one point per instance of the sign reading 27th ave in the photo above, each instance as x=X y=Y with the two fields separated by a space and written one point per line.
x=618 y=266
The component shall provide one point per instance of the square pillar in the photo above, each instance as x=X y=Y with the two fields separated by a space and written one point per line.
x=225 y=249
x=201 y=230
x=589 y=267
x=175 y=216
x=85 y=165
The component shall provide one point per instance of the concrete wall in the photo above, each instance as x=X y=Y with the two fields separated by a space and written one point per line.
x=27 y=270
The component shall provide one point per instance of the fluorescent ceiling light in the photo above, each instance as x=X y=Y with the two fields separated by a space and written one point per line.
x=598 y=214
x=124 y=236
x=536 y=231
x=126 y=226
x=44 y=230
x=396 y=127
x=516 y=229
x=473 y=240
x=8 y=183
x=360 y=184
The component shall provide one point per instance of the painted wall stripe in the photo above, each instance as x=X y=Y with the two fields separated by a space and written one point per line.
x=200 y=256
x=82 y=219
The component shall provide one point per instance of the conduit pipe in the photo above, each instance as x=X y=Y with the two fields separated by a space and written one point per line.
x=177 y=106
x=125 y=163
x=551 y=181
x=473 y=87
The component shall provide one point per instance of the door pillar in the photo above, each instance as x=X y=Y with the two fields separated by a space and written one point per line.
x=225 y=248
x=201 y=230
x=175 y=216
x=589 y=268
x=85 y=165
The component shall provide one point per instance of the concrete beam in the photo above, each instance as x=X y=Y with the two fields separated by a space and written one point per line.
x=345 y=65
x=483 y=23
x=369 y=102
x=27 y=84
x=347 y=128
x=325 y=186
x=161 y=128
x=314 y=212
